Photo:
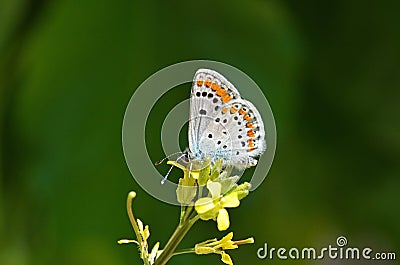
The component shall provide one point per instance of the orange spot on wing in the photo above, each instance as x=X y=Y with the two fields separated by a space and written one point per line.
x=250 y=133
x=221 y=92
x=207 y=83
x=215 y=87
x=233 y=110
x=241 y=112
x=224 y=110
x=249 y=125
x=199 y=82
x=250 y=142
x=226 y=98
x=247 y=117
x=251 y=149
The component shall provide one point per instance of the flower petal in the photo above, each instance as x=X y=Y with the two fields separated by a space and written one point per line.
x=227 y=243
x=214 y=188
x=223 y=220
x=203 y=205
x=227 y=182
x=231 y=200
x=146 y=233
x=186 y=190
x=226 y=258
x=140 y=224
x=227 y=238
x=204 y=175
x=176 y=164
x=203 y=250
x=153 y=253
x=195 y=174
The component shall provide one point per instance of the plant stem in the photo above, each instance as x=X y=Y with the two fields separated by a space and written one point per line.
x=188 y=211
x=143 y=254
x=184 y=251
x=135 y=226
x=183 y=211
x=179 y=233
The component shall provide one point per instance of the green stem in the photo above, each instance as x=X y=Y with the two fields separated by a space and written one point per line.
x=183 y=211
x=184 y=251
x=188 y=211
x=135 y=226
x=179 y=233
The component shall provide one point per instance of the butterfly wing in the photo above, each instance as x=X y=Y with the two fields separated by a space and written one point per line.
x=239 y=134
x=222 y=124
x=209 y=94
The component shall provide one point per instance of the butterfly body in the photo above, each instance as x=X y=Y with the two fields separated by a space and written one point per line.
x=222 y=125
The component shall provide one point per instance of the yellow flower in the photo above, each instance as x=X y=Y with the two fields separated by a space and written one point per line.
x=214 y=206
x=226 y=258
x=186 y=190
x=193 y=173
x=143 y=230
x=144 y=233
x=197 y=176
x=154 y=253
x=219 y=247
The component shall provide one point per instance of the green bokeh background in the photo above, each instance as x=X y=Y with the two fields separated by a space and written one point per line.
x=331 y=72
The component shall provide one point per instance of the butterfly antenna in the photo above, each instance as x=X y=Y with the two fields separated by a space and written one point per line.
x=170 y=169
x=166 y=176
x=168 y=156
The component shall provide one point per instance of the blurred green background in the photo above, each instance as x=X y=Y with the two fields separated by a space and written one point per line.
x=331 y=72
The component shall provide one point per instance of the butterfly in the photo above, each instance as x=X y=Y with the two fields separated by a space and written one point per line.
x=222 y=125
